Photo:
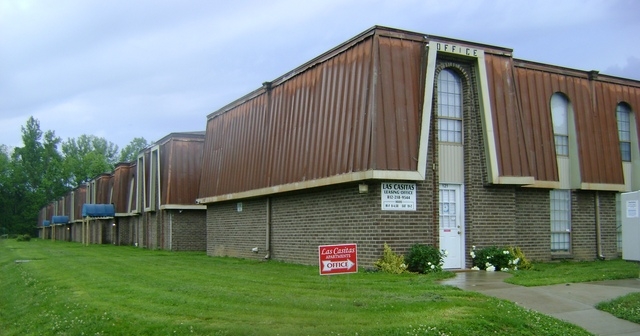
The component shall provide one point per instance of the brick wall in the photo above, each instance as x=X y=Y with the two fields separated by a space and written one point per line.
x=188 y=230
x=126 y=233
x=300 y=222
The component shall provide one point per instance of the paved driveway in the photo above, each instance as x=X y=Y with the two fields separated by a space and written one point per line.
x=573 y=303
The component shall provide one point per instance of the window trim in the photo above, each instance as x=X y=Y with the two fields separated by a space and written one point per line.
x=457 y=132
x=567 y=214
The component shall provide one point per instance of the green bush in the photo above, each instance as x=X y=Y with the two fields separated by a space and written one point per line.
x=425 y=259
x=495 y=258
x=25 y=237
x=391 y=262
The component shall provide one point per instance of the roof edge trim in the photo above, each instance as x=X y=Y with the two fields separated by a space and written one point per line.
x=343 y=178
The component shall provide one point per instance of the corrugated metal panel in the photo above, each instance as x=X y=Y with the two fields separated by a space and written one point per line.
x=59 y=207
x=517 y=152
x=120 y=187
x=596 y=127
x=79 y=198
x=181 y=163
x=102 y=190
x=50 y=211
x=609 y=92
x=68 y=205
x=42 y=215
x=399 y=95
x=354 y=111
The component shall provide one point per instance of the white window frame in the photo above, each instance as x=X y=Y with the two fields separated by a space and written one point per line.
x=623 y=117
x=560 y=220
x=560 y=117
x=449 y=107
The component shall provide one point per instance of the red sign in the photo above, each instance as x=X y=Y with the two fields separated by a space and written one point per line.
x=338 y=259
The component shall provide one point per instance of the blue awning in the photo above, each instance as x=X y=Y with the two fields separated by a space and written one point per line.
x=98 y=210
x=60 y=220
x=46 y=223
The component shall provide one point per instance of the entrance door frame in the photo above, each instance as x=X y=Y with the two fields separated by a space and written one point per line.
x=460 y=217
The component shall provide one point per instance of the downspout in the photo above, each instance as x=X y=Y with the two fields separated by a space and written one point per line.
x=598 y=228
x=268 y=230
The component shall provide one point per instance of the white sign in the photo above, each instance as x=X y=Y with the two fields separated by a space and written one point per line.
x=632 y=209
x=399 y=196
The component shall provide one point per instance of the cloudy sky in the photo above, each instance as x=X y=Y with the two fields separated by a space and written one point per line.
x=121 y=69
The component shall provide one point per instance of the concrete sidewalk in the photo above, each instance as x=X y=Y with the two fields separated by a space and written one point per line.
x=573 y=303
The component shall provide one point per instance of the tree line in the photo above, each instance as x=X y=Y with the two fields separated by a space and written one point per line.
x=46 y=168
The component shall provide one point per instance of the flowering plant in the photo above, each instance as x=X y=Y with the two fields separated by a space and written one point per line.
x=498 y=259
x=425 y=259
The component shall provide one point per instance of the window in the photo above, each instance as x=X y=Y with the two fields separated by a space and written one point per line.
x=623 y=114
x=560 y=220
x=449 y=107
x=559 y=116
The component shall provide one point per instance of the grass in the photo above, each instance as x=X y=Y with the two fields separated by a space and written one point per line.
x=625 y=307
x=68 y=289
x=543 y=274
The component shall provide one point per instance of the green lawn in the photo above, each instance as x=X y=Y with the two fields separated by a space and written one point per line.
x=60 y=288
x=543 y=274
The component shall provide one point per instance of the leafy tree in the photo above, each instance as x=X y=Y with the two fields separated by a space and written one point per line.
x=5 y=186
x=87 y=157
x=130 y=152
x=35 y=177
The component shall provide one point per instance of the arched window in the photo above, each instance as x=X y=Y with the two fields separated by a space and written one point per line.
x=623 y=115
x=559 y=116
x=449 y=107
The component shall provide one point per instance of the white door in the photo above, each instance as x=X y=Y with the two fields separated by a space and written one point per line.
x=451 y=225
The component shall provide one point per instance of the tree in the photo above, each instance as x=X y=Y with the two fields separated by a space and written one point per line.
x=5 y=189
x=35 y=177
x=88 y=157
x=130 y=152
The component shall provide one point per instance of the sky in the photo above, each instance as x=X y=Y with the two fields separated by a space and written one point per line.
x=121 y=69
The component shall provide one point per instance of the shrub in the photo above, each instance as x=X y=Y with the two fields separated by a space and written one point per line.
x=25 y=237
x=523 y=262
x=391 y=262
x=494 y=258
x=425 y=259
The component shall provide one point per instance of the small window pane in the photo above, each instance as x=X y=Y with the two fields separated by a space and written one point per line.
x=559 y=114
x=562 y=145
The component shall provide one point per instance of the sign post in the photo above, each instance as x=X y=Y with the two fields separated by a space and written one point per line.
x=338 y=259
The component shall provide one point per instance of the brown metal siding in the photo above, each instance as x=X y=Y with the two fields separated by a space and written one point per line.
x=534 y=90
x=79 y=198
x=120 y=184
x=607 y=97
x=514 y=141
x=102 y=189
x=59 y=205
x=50 y=209
x=399 y=96
x=68 y=207
x=596 y=132
x=42 y=215
x=322 y=122
x=181 y=163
